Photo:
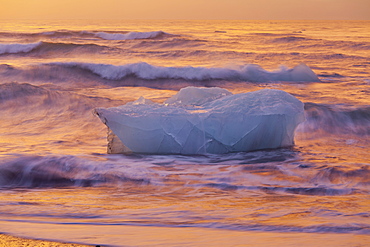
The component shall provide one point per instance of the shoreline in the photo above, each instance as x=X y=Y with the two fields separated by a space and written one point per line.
x=13 y=241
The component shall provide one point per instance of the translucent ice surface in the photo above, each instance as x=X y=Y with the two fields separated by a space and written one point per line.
x=206 y=120
x=197 y=96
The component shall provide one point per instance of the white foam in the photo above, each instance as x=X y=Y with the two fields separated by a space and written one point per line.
x=249 y=72
x=18 y=48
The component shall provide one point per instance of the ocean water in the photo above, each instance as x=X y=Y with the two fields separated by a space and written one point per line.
x=57 y=181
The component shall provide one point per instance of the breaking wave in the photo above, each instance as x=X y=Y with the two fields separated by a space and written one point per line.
x=18 y=48
x=107 y=35
x=32 y=171
x=17 y=96
x=130 y=35
x=53 y=171
x=41 y=48
x=49 y=34
x=249 y=72
x=337 y=119
x=14 y=91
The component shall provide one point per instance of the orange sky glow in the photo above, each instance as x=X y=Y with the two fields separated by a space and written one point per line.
x=186 y=9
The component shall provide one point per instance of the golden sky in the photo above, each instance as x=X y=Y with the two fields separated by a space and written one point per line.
x=186 y=9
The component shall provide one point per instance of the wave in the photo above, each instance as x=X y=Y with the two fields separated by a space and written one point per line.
x=18 y=48
x=249 y=72
x=306 y=42
x=131 y=35
x=13 y=91
x=317 y=191
x=336 y=119
x=66 y=47
x=183 y=43
x=90 y=170
x=265 y=34
x=289 y=39
x=80 y=171
x=40 y=73
x=330 y=44
x=347 y=44
x=42 y=48
x=334 y=75
x=107 y=35
x=49 y=34
x=17 y=95
x=353 y=175
x=53 y=118
x=318 y=228
x=62 y=171
x=195 y=222
x=361 y=46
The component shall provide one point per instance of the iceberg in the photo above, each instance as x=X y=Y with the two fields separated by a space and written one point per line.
x=205 y=120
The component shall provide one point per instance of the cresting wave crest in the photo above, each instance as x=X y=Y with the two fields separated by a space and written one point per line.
x=249 y=72
x=130 y=35
x=107 y=35
x=47 y=47
x=18 y=48
x=53 y=171
x=336 y=119
x=78 y=171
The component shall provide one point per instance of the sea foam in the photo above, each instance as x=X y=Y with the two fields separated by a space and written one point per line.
x=249 y=72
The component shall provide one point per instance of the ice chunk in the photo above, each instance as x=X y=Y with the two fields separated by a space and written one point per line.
x=197 y=96
x=115 y=146
x=231 y=123
x=141 y=101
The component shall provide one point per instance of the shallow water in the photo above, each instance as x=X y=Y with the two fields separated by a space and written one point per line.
x=57 y=182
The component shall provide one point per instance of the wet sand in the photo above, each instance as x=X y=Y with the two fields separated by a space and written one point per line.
x=11 y=241
x=120 y=235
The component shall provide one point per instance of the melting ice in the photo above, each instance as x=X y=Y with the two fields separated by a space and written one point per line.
x=206 y=120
